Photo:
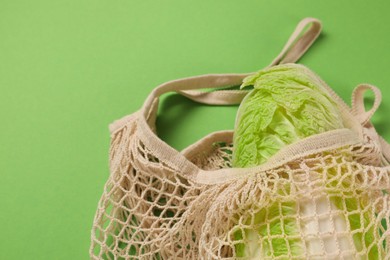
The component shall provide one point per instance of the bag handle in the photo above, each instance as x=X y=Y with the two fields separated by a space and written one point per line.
x=358 y=102
x=187 y=86
x=364 y=117
x=298 y=43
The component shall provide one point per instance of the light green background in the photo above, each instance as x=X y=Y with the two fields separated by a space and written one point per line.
x=69 y=68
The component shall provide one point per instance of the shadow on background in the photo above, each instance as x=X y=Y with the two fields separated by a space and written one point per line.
x=173 y=115
x=381 y=121
x=181 y=121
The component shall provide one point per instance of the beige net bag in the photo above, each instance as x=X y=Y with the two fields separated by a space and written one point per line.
x=325 y=197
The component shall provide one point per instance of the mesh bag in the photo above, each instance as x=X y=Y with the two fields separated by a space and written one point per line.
x=324 y=197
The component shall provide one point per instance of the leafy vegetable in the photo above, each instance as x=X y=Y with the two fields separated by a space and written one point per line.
x=287 y=104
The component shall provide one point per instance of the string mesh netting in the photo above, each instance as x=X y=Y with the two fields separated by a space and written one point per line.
x=328 y=205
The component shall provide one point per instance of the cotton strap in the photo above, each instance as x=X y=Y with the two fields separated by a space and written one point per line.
x=358 y=102
x=364 y=117
x=299 y=42
x=302 y=38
